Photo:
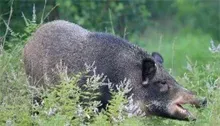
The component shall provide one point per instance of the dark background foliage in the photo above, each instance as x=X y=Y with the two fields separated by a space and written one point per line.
x=132 y=16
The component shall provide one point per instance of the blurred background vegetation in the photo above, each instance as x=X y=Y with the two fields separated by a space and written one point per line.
x=135 y=16
x=182 y=26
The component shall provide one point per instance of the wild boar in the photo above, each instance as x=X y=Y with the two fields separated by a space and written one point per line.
x=153 y=87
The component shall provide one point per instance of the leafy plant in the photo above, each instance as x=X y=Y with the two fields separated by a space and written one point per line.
x=15 y=37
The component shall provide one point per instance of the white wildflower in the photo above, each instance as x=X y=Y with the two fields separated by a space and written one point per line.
x=213 y=48
x=52 y=111
x=189 y=67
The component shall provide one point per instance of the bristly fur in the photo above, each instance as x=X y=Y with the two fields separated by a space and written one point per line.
x=67 y=43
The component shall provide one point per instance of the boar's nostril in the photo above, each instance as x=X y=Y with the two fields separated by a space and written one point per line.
x=204 y=102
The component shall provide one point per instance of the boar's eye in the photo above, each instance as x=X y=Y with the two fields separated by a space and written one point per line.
x=160 y=82
x=163 y=82
x=163 y=86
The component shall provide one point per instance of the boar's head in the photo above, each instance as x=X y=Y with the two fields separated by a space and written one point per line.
x=161 y=95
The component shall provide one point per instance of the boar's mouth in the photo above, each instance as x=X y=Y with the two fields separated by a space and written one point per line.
x=177 y=111
x=182 y=113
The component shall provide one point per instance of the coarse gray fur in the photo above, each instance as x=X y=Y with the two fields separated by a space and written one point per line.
x=62 y=41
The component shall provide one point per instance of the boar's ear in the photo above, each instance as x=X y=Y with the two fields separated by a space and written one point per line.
x=157 y=57
x=148 y=70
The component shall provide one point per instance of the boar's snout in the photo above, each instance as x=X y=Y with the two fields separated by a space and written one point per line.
x=177 y=111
